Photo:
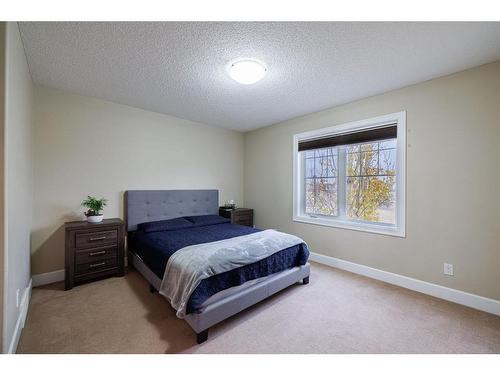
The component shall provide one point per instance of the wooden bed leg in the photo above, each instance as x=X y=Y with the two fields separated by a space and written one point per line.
x=305 y=280
x=202 y=336
x=152 y=289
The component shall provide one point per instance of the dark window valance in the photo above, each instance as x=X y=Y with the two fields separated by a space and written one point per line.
x=369 y=135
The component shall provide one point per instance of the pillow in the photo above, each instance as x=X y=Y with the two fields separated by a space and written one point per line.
x=202 y=220
x=164 y=225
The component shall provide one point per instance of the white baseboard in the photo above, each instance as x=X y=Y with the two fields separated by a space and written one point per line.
x=463 y=298
x=23 y=313
x=48 y=278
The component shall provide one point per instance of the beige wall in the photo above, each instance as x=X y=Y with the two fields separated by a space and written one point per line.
x=3 y=35
x=18 y=178
x=453 y=179
x=88 y=146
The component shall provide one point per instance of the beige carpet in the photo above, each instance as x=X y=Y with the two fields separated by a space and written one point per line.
x=338 y=312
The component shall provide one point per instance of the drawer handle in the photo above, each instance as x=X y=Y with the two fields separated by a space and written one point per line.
x=97 y=238
x=97 y=265
x=97 y=253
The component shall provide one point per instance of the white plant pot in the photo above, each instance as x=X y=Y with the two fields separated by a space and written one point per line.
x=95 y=219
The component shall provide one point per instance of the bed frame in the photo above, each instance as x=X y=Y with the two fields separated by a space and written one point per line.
x=151 y=205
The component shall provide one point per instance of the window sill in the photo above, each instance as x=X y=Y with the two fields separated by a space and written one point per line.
x=361 y=227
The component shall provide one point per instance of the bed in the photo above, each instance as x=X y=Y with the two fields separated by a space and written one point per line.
x=151 y=245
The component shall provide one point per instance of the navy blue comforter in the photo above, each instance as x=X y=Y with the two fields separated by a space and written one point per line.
x=155 y=249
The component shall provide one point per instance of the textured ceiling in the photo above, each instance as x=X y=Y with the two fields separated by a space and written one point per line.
x=178 y=68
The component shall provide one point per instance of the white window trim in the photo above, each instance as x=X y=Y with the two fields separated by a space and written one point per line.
x=399 y=230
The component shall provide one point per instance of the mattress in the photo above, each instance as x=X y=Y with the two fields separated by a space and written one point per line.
x=155 y=249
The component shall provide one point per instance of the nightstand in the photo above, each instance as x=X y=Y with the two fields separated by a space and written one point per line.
x=241 y=216
x=93 y=251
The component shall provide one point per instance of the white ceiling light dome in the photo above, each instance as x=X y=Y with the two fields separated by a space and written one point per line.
x=247 y=71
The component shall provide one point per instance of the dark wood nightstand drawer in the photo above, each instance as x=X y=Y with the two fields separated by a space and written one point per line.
x=95 y=254
x=243 y=220
x=240 y=216
x=96 y=266
x=94 y=239
x=245 y=223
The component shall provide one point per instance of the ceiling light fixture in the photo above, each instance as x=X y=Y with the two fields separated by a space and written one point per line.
x=247 y=71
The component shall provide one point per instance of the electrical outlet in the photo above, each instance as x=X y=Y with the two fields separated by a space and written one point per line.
x=448 y=269
x=18 y=300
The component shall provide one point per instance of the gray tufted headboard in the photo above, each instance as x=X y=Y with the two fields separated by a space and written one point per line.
x=142 y=206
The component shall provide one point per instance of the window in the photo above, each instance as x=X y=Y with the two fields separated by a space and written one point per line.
x=353 y=175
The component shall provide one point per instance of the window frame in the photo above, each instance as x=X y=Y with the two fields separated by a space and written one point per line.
x=299 y=215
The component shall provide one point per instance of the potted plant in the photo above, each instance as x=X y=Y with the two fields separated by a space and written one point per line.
x=95 y=206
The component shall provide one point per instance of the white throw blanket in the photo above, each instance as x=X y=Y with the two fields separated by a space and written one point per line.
x=187 y=267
